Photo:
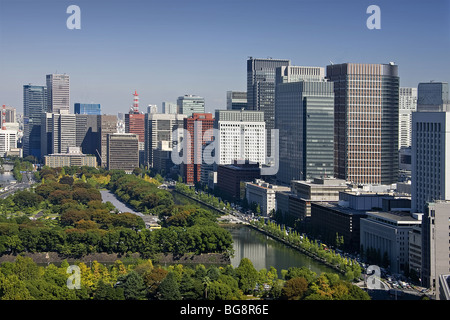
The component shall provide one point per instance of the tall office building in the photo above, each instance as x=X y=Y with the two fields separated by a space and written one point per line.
x=236 y=100
x=304 y=116
x=432 y=96
x=197 y=126
x=34 y=105
x=159 y=127
x=435 y=244
x=87 y=108
x=123 y=151
x=261 y=90
x=366 y=122
x=107 y=125
x=58 y=95
x=10 y=114
x=407 y=104
x=430 y=156
x=242 y=136
x=190 y=104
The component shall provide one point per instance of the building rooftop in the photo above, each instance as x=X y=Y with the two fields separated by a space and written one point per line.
x=394 y=216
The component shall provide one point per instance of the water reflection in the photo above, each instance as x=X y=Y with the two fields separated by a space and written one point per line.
x=265 y=252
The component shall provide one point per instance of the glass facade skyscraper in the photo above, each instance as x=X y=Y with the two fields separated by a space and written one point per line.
x=34 y=104
x=58 y=97
x=261 y=90
x=190 y=104
x=87 y=108
x=366 y=122
x=432 y=96
x=304 y=116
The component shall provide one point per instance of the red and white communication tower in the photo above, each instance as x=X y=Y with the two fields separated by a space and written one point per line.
x=3 y=117
x=135 y=108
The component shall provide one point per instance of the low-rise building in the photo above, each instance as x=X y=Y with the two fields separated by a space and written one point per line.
x=263 y=193
x=387 y=233
x=73 y=157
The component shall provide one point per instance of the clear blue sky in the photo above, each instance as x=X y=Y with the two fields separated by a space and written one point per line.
x=164 y=49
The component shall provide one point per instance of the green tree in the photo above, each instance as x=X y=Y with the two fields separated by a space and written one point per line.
x=294 y=289
x=169 y=289
x=133 y=286
x=247 y=275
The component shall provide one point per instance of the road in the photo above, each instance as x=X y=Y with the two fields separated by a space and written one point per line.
x=11 y=188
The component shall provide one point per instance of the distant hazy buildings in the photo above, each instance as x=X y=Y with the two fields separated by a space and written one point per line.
x=87 y=108
x=432 y=96
x=123 y=151
x=242 y=136
x=34 y=105
x=58 y=96
x=304 y=116
x=169 y=107
x=236 y=100
x=430 y=158
x=190 y=104
x=407 y=105
x=366 y=122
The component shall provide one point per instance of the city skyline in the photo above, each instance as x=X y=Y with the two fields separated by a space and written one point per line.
x=164 y=51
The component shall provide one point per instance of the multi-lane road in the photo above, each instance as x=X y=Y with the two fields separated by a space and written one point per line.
x=11 y=188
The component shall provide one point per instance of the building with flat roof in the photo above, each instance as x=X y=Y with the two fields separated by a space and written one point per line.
x=387 y=233
x=190 y=104
x=242 y=136
x=230 y=176
x=123 y=151
x=263 y=194
x=365 y=122
x=87 y=108
x=73 y=157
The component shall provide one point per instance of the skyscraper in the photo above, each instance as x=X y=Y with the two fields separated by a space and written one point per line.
x=197 y=126
x=366 y=122
x=58 y=96
x=236 y=100
x=407 y=105
x=123 y=151
x=34 y=105
x=169 y=107
x=261 y=89
x=432 y=96
x=190 y=104
x=304 y=116
x=87 y=108
x=430 y=165
x=158 y=128
x=242 y=136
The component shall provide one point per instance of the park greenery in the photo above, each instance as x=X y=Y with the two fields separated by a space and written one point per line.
x=76 y=222
x=64 y=214
x=142 y=280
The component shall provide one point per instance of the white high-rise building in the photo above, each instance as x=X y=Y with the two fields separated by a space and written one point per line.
x=58 y=93
x=430 y=156
x=8 y=141
x=406 y=106
x=242 y=136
